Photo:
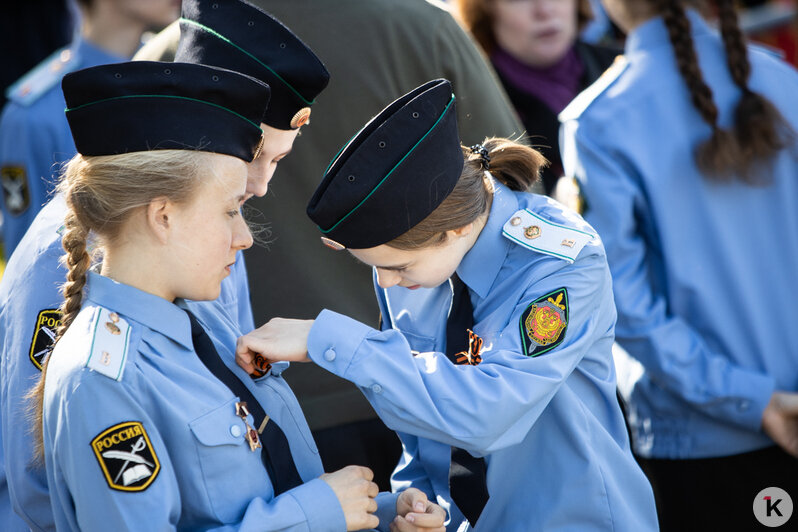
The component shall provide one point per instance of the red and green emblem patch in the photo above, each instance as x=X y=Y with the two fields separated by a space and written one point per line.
x=544 y=322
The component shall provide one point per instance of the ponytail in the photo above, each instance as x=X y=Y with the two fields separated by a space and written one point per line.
x=515 y=165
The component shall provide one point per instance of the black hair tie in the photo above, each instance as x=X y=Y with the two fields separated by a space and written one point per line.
x=482 y=151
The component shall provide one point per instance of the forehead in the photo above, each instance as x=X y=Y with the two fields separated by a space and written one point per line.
x=223 y=175
x=277 y=141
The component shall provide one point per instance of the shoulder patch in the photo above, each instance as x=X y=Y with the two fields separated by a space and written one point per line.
x=544 y=322
x=126 y=456
x=109 y=344
x=44 y=332
x=587 y=96
x=535 y=232
x=43 y=77
x=16 y=192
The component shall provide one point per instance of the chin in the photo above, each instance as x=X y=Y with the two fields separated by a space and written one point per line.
x=204 y=295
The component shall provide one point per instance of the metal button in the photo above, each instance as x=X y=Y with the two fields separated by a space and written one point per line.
x=329 y=355
x=235 y=431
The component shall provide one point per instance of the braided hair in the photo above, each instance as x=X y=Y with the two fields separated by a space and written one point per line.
x=759 y=130
x=100 y=193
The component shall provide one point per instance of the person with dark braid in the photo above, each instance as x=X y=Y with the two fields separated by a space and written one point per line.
x=687 y=158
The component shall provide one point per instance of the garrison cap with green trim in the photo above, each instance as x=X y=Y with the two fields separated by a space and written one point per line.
x=393 y=173
x=237 y=35
x=148 y=105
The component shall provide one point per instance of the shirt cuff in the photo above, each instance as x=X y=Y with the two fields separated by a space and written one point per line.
x=334 y=339
x=754 y=391
x=320 y=505
x=386 y=509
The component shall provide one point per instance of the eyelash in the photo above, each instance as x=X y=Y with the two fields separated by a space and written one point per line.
x=233 y=214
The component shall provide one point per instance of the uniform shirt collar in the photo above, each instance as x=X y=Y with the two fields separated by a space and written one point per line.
x=150 y=310
x=653 y=33
x=482 y=263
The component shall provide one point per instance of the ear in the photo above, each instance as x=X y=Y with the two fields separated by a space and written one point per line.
x=159 y=215
x=461 y=231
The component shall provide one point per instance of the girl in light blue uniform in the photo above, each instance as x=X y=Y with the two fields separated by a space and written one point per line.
x=29 y=290
x=500 y=381
x=144 y=427
x=686 y=155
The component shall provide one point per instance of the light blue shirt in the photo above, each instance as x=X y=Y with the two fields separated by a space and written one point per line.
x=29 y=297
x=704 y=272
x=197 y=471
x=549 y=426
x=35 y=139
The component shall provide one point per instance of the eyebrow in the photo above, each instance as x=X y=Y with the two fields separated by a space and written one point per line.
x=389 y=268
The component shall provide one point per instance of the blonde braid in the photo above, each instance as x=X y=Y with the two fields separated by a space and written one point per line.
x=78 y=262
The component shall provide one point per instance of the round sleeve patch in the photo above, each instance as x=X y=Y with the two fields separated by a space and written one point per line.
x=544 y=322
x=126 y=456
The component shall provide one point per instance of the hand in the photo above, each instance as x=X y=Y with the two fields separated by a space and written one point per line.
x=414 y=513
x=355 y=491
x=780 y=421
x=279 y=339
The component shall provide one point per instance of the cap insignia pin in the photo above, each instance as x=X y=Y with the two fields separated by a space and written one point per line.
x=332 y=244
x=301 y=118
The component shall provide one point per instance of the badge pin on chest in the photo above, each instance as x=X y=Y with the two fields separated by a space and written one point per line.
x=251 y=434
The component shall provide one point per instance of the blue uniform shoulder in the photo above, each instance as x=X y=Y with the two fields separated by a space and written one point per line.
x=586 y=98
x=546 y=226
x=44 y=77
x=99 y=340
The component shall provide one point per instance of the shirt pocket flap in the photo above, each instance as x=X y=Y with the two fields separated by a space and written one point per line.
x=220 y=426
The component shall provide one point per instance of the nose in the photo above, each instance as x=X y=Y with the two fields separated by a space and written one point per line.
x=387 y=278
x=542 y=7
x=258 y=177
x=242 y=236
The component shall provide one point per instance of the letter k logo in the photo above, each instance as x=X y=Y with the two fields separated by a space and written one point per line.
x=772 y=506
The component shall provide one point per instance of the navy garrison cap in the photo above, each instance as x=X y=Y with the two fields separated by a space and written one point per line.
x=393 y=173
x=238 y=36
x=148 y=105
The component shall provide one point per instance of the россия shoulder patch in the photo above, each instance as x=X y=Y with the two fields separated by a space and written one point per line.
x=47 y=322
x=126 y=456
x=544 y=323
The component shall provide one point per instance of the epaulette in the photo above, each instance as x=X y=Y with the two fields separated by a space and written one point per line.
x=536 y=233
x=587 y=96
x=43 y=77
x=110 y=342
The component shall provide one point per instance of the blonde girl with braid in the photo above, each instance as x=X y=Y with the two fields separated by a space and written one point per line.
x=687 y=158
x=139 y=421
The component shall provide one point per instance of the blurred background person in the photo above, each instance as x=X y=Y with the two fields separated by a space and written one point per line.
x=34 y=136
x=35 y=29
x=536 y=49
x=687 y=155
x=376 y=51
